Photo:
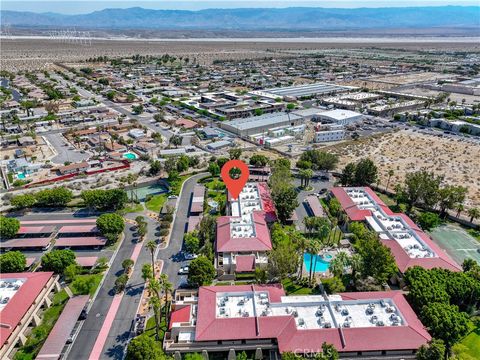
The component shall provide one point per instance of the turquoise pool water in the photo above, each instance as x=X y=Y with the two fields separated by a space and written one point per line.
x=130 y=156
x=21 y=175
x=321 y=265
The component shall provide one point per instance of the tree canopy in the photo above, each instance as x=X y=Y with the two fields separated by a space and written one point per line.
x=201 y=271
x=58 y=260
x=12 y=261
x=8 y=227
x=319 y=160
x=110 y=225
x=112 y=199
x=362 y=173
x=144 y=347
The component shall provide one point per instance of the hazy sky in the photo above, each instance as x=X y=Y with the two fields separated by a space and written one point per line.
x=76 y=7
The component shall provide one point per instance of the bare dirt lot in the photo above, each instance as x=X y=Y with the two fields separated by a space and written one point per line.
x=40 y=53
x=408 y=151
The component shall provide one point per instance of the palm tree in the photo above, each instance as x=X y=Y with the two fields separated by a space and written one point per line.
x=155 y=304
x=474 y=213
x=338 y=265
x=459 y=209
x=355 y=264
x=151 y=246
x=167 y=288
x=390 y=174
x=302 y=245
x=309 y=224
x=154 y=287
x=314 y=248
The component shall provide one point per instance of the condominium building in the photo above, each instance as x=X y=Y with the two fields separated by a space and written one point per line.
x=23 y=297
x=264 y=320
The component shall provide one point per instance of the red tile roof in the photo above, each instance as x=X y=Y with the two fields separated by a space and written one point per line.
x=179 y=315
x=289 y=338
x=78 y=229
x=193 y=221
x=35 y=229
x=86 y=261
x=267 y=203
x=261 y=241
x=315 y=206
x=245 y=263
x=25 y=243
x=403 y=260
x=81 y=241
x=23 y=299
x=56 y=340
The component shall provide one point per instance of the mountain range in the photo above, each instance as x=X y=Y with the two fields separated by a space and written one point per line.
x=290 y=19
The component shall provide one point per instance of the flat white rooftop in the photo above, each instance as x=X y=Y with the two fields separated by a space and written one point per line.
x=242 y=208
x=8 y=289
x=391 y=227
x=311 y=312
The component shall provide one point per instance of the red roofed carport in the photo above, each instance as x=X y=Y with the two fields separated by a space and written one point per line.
x=53 y=346
x=80 y=241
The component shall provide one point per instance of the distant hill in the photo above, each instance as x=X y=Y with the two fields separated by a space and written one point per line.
x=271 y=19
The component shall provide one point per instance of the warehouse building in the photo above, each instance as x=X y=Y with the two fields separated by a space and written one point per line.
x=302 y=91
x=259 y=124
x=339 y=117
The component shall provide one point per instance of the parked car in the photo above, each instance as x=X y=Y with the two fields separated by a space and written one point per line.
x=183 y=271
x=173 y=197
x=189 y=256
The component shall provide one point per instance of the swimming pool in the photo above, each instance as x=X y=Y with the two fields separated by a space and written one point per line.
x=321 y=265
x=21 y=175
x=130 y=156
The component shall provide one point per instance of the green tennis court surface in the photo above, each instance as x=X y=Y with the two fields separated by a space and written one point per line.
x=456 y=242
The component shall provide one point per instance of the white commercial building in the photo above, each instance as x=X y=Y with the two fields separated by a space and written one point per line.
x=329 y=135
x=340 y=117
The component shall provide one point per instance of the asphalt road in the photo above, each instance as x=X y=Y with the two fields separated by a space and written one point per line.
x=85 y=340
x=120 y=331
x=301 y=209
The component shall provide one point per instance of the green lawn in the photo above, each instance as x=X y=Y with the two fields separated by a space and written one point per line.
x=96 y=278
x=40 y=333
x=215 y=191
x=293 y=289
x=150 y=327
x=176 y=185
x=155 y=204
x=470 y=345
x=132 y=208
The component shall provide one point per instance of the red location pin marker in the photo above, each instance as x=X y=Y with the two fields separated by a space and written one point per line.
x=235 y=186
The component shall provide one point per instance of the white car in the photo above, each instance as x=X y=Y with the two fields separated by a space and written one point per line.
x=173 y=197
x=183 y=271
x=190 y=256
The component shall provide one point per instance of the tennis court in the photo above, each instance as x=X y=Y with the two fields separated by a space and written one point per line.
x=456 y=242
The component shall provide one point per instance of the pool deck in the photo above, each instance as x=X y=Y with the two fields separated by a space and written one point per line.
x=456 y=242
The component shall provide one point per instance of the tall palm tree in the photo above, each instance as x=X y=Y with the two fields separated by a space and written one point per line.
x=390 y=174
x=355 y=264
x=474 y=213
x=314 y=248
x=155 y=304
x=167 y=288
x=338 y=265
x=154 y=288
x=302 y=246
x=459 y=209
x=151 y=246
